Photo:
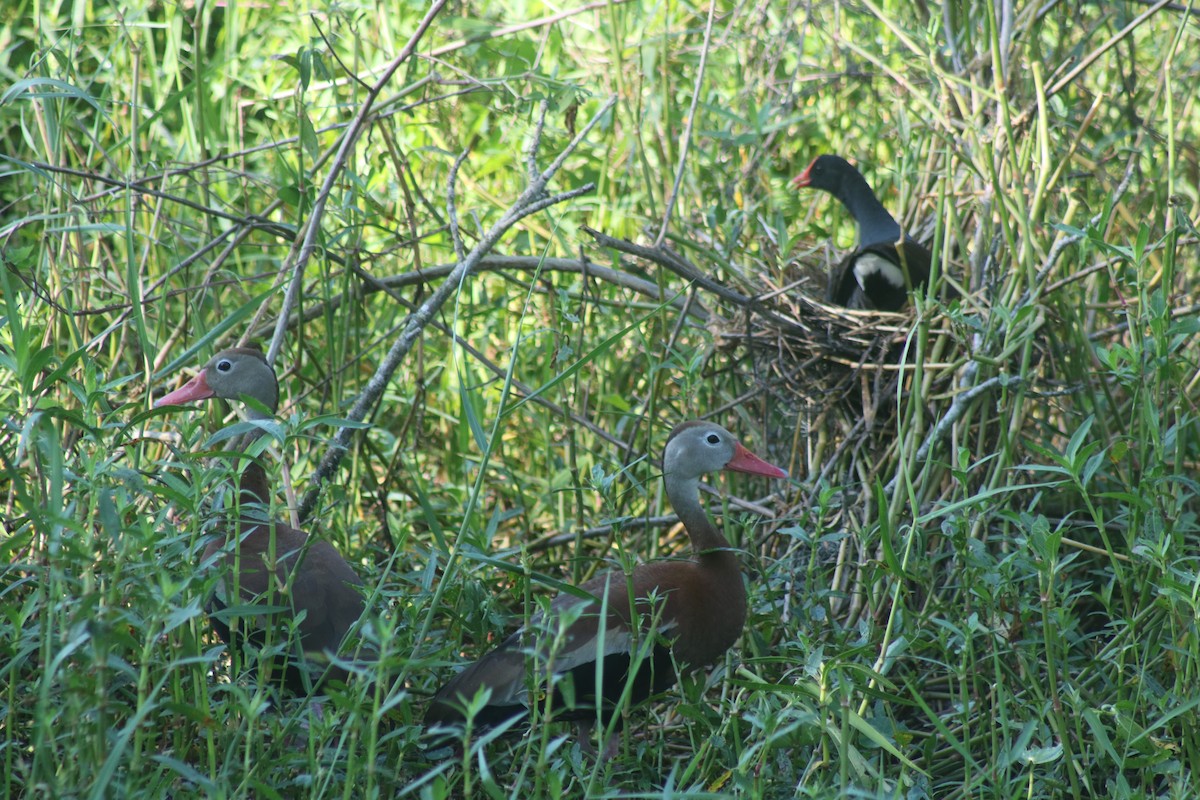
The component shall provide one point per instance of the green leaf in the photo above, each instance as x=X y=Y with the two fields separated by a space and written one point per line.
x=32 y=89
x=885 y=532
x=1077 y=440
x=592 y=355
x=308 y=136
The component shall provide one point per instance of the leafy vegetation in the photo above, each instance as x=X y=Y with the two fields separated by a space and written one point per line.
x=982 y=581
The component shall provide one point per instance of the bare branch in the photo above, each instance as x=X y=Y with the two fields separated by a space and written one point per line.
x=558 y=538
x=686 y=139
x=680 y=266
x=302 y=249
x=529 y=202
x=535 y=142
x=452 y=209
x=494 y=263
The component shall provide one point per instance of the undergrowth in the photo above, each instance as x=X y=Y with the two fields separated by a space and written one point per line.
x=982 y=580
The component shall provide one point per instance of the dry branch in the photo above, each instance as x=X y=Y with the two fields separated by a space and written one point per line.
x=665 y=257
x=559 y=538
x=495 y=263
x=533 y=199
x=303 y=248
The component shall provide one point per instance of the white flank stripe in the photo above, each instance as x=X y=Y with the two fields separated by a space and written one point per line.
x=871 y=264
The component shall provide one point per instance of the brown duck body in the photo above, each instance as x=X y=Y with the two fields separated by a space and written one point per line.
x=275 y=565
x=693 y=612
x=269 y=563
x=684 y=614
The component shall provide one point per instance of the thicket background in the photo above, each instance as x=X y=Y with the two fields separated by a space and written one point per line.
x=982 y=580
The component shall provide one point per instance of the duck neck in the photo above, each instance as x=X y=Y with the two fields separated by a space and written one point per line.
x=709 y=544
x=253 y=487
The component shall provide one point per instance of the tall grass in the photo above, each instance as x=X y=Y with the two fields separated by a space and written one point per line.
x=1004 y=605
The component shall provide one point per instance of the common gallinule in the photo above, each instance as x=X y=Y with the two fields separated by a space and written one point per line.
x=873 y=275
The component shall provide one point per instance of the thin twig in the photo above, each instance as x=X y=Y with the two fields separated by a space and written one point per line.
x=533 y=199
x=686 y=139
x=495 y=263
x=1121 y=327
x=451 y=207
x=666 y=257
x=1091 y=57
x=140 y=186
x=531 y=166
x=302 y=249
x=557 y=538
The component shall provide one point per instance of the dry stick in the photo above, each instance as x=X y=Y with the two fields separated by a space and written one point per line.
x=664 y=257
x=557 y=538
x=302 y=250
x=687 y=130
x=528 y=391
x=495 y=263
x=1184 y=7
x=1091 y=57
x=532 y=200
x=460 y=252
x=1121 y=327
x=531 y=167
x=140 y=186
x=958 y=407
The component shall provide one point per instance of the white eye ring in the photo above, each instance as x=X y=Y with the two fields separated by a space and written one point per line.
x=224 y=365
x=713 y=438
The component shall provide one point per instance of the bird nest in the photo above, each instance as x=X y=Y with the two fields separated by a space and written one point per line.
x=814 y=359
x=820 y=359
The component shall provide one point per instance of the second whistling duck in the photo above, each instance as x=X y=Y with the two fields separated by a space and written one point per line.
x=883 y=267
x=692 y=609
x=269 y=562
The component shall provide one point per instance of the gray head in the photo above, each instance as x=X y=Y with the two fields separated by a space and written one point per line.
x=697 y=448
x=231 y=374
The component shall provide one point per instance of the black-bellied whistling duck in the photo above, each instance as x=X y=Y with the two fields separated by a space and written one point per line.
x=873 y=276
x=698 y=607
x=270 y=562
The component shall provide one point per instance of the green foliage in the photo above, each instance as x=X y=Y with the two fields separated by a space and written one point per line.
x=988 y=589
